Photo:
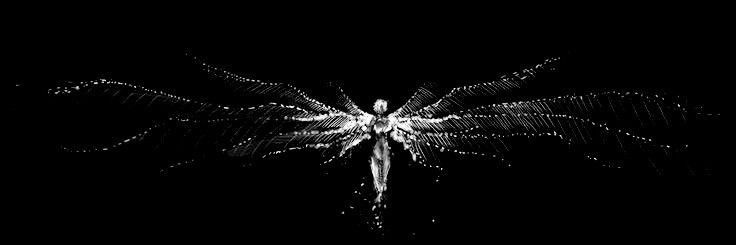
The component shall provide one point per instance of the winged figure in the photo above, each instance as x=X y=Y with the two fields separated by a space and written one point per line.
x=425 y=125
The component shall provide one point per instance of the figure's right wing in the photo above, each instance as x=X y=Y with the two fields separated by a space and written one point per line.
x=334 y=133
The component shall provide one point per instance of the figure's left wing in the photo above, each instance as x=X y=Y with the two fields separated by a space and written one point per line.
x=305 y=123
x=595 y=118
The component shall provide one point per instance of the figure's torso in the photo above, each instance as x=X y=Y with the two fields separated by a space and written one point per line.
x=381 y=126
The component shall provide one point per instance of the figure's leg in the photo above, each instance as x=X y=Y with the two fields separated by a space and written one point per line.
x=379 y=167
x=376 y=171
x=386 y=160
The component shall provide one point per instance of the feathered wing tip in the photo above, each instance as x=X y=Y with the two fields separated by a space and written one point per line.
x=273 y=90
x=453 y=100
x=421 y=98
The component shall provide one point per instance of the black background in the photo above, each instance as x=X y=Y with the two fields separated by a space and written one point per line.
x=381 y=54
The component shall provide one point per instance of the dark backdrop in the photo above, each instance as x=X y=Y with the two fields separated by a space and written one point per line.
x=549 y=188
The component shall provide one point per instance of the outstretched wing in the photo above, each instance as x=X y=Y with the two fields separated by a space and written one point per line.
x=300 y=122
x=317 y=125
x=593 y=118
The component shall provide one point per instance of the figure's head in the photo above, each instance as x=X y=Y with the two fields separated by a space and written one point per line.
x=380 y=106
